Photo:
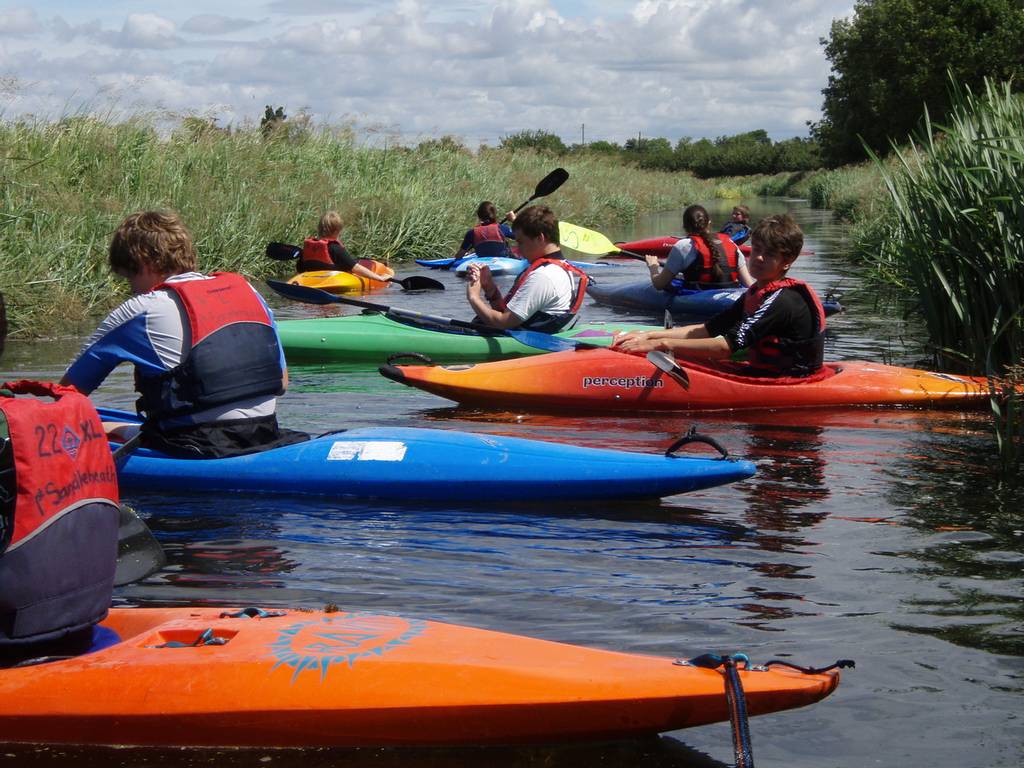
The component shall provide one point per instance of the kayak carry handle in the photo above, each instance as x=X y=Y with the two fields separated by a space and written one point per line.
x=417 y=356
x=693 y=436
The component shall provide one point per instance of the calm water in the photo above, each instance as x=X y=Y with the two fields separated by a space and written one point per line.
x=878 y=535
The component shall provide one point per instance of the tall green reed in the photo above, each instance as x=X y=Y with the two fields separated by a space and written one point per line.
x=956 y=237
x=67 y=184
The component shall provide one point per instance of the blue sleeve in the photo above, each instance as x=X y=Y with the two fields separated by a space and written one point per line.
x=124 y=343
x=506 y=230
x=467 y=241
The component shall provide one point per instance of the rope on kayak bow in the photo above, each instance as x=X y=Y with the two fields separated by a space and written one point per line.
x=736 y=701
x=409 y=355
x=840 y=664
x=693 y=436
x=252 y=613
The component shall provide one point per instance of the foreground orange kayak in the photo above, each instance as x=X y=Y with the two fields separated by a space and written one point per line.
x=336 y=281
x=601 y=379
x=307 y=678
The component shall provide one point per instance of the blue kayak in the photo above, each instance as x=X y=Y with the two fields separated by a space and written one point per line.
x=504 y=266
x=642 y=296
x=411 y=464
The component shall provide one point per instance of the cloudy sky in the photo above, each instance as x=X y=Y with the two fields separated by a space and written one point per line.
x=411 y=69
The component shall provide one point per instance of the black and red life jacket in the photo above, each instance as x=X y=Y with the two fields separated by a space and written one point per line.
x=316 y=254
x=702 y=274
x=552 y=322
x=794 y=357
x=235 y=353
x=58 y=548
x=489 y=240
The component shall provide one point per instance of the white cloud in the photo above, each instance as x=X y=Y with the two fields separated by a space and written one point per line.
x=214 y=24
x=19 y=22
x=667 y=68
x=147 y=30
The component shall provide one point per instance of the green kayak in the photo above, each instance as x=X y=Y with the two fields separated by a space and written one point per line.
x=372 y=338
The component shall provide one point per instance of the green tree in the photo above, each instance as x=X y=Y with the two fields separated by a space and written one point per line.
x=542 y=141
x=891 y=58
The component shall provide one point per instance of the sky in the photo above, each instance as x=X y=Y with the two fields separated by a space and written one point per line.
x=409 y=70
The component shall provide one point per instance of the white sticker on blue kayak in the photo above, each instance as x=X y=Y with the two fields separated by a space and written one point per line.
x=356 y=450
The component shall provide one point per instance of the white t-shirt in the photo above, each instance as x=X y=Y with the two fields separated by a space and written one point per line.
x=683 y=254
x=547 y=289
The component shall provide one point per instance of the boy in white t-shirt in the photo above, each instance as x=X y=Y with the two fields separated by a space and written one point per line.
x=546 y=296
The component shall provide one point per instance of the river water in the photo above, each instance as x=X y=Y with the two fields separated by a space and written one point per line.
x=877 y=535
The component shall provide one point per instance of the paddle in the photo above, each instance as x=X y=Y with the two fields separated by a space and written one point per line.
x=545 y=187
x=139 y=554
x=287 y=252
x=590 y=242
x=665 y=362
x=534 y=339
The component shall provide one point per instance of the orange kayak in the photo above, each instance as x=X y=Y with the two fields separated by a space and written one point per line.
x=336 y=281
x=601 y=379
x=306 y=678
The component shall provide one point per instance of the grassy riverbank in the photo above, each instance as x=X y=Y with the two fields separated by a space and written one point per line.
x=68 y=184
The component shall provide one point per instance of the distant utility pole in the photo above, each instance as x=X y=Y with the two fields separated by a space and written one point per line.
x=583 y=133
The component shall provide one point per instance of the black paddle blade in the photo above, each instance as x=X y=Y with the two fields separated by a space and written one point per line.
x=551 y=182
x=302 y=293
x=419 y=283
x=545 y=186
x=139 y=554
x=283 y=251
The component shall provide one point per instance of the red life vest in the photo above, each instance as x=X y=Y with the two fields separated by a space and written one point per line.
x=60 y=550
x=552 y=322
x=316 y=253
x=701 y=272
x=795 y=357
x=235 y=353
x=489 y=240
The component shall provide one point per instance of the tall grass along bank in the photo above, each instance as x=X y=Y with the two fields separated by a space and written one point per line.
x=956 y=238
x=68 y=184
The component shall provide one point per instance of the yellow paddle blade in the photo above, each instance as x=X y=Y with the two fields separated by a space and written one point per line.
x=585 y=240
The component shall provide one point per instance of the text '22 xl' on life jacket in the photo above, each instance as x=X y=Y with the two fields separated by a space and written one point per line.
x=59 y=552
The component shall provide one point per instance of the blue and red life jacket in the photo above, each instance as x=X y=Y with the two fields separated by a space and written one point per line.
x=552 y=322
x=316 y=254
x=794 y=357
x=489 y=241
x=235 y=353
x=58 y=548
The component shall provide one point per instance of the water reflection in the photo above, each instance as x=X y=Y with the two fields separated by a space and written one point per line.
x=652 y=753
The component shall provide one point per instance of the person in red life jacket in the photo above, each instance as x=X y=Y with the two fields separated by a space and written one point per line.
x=701 y=259
x=488 y=238
x=779 y=320
x=737 y=228
x=208 y=361
x=544 y=297
x=58 y=519
x=326 y=251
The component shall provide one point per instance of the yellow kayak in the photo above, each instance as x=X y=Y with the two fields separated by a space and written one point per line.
x=336 y=281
